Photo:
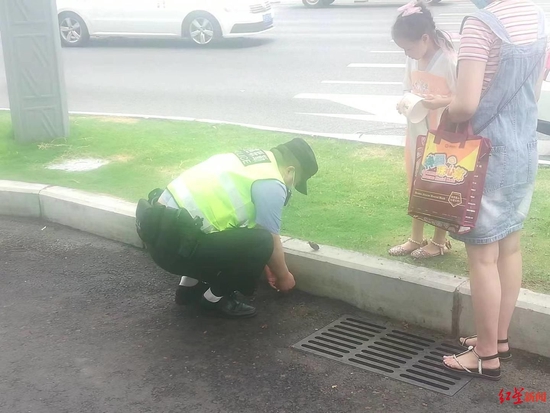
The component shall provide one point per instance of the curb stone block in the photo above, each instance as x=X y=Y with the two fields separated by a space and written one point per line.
x=98 y=214
x=20 y=199
x=530 y=327
x=400 y=291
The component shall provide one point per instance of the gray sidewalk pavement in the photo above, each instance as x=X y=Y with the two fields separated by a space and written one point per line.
x=89 y=325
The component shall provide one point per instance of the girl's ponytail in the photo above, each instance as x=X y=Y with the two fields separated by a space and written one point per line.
x=415 y=20
x=444 y=41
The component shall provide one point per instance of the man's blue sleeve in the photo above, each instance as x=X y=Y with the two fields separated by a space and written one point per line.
x=269 y=198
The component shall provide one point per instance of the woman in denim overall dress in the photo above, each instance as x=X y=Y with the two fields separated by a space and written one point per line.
x=506 y=113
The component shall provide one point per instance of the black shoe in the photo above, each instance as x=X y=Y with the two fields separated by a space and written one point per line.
x=229 y=307
x=189 y=295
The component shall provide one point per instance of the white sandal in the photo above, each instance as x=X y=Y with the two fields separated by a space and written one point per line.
x=421 y=254
x=489 y=374
x=399 y=251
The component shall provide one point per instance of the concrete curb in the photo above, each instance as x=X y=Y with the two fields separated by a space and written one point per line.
x=388 y=140
x=400 y=291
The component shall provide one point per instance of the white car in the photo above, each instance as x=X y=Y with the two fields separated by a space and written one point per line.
x=544 y=102
x=326 y=3
x=202 y=21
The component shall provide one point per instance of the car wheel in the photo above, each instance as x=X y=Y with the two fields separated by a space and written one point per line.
x=73 y=30
x=202 y=28
x=316 y=3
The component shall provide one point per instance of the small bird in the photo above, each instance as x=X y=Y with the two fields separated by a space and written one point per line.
x=314 y=245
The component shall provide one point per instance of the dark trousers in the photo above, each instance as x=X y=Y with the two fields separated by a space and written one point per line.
x=231 y=260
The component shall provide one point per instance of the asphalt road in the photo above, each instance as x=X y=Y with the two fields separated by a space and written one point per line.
x=89 y=326
x=296 y=76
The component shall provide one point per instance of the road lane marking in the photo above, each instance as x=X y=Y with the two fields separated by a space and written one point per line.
x=386 y=51
x=359 y=82
x=377 y=108
x=384 y=118
x=378 y=65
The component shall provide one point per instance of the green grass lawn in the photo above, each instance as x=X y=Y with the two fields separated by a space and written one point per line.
x=358 y=200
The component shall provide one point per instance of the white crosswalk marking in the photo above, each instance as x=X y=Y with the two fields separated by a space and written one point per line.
x=386 y=51
x=359 y=82
x=378 y=65
x=368 y=89
x=379 y=108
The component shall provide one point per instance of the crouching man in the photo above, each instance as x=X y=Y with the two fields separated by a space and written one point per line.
x=217 y=225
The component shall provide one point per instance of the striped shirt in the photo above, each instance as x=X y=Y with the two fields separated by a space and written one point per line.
x=478 y=42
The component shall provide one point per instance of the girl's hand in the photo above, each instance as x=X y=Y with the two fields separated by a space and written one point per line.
x=399 y=106
x=436 y=102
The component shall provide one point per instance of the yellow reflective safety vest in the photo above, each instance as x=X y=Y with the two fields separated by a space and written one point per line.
x=219 y=190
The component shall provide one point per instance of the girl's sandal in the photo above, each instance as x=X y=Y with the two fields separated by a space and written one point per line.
x=400 y=251
x=502 y=355
x=422 y=254
x=489 y=374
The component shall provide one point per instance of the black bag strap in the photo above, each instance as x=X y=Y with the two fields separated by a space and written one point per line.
x=154 y=195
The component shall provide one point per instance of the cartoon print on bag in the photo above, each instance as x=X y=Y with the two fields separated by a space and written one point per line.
x=438 y=168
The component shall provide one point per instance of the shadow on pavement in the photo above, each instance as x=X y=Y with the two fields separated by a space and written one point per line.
x=89 y=325
x=237 y=43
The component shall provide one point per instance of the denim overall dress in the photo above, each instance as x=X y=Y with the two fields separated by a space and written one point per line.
x=507 y=115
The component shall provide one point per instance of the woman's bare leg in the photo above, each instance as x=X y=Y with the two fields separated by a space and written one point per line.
x=510 y=269
x=486 y=299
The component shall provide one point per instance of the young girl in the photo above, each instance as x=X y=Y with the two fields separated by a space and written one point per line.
x=431 y=73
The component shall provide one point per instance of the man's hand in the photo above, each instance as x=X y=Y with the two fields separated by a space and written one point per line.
x=286 y=283
x=281 y=279
x=271 y=278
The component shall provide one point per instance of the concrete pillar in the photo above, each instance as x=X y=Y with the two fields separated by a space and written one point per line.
x=34 y=70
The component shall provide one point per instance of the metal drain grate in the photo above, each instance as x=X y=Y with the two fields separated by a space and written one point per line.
x=393 y=353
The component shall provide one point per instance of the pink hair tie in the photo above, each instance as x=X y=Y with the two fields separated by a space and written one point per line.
x=409 y=8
